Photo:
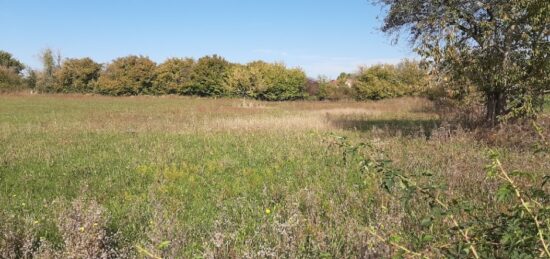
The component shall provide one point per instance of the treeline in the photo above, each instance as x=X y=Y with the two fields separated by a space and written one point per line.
x=382 y=81
x=209 y=76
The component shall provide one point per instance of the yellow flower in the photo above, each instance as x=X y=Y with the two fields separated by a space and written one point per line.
x=35 y=222
x=95 y=224
x=81 y=229
x=267 y=211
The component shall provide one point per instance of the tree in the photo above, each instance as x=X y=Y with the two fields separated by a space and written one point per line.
x=243 y=81
x=276 y=82
x=10 y=72
x=378 y=82
x=77 y=75
x=131 y=75
x=9 y=80
x=50 y=63
x=9 y=62
x=499 y=46
x=174 y=76
x=413 y=76
x=210 y=76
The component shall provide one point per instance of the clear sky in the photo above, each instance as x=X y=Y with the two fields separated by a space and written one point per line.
x=321 y=36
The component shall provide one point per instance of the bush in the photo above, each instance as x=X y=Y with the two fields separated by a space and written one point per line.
x=77 y=76
x=210 y=76
x=10 y=80
x=334 y=92
x=378 y=82
x=131 y=75
x=244 y=80
x=388 y=81
x=271 y=82
x=174 y=76
x=278 y=83
x=413 y=76
x=284 y=84
x=10 y=73
x=8 y=61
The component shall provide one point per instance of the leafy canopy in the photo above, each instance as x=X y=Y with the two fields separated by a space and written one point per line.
x=77 y=75
x=499 y=46
x=131 y=75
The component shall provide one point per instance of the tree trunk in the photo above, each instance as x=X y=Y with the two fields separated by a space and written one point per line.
x=496 y=106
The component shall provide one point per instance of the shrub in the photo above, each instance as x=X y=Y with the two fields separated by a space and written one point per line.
x=271 y=82
x=77 y=75
x=388 y=81
x=312 y=88
x=174 y=76
x=277 y=82
x=285 y=84
x=377 y=82
x=210 y=76
x=8 y=61
x=131 y=75
x=10 y=80
x=334 y=90
x=10 y=73
x=516 y=226
x=413 y=76
x=243 y=81
x=45 y=79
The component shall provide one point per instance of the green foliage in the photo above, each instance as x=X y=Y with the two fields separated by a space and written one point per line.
x=77 y=76
x=131 y=75
x=137 y=75
x=279 y=82
x=45 y=80
x=216 y=77
x=389 y=81
x=210 y=76
x=456 y=227
x=284 y=84
x=271 y=82
x=9 y=80
x=244 y=81
x=9 y=62
x=174 y=76
x=10 y=73
x=500 y=47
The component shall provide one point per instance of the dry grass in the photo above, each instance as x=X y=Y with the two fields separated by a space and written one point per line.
x=191 y=115
x=188 y=177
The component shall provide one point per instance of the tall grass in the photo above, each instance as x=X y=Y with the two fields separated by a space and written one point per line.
x=185 y=177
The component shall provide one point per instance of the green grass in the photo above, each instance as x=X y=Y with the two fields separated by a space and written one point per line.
x=202 y=173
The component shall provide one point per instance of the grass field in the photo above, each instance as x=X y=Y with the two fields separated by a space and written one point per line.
x=171 y=176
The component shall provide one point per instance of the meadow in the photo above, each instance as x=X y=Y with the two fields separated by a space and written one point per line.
x=150 y=177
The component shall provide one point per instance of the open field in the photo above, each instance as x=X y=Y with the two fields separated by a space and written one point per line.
x=204 y=177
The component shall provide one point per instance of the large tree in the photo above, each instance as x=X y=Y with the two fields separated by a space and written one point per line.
x=174 y=76
x=210 y=76
x=131 y=75
x=10 y=72
x=77 y=75
x=7 y=61
x=499 y=46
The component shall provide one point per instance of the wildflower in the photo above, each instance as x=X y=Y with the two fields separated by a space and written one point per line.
x=81 y=229
x=95 y=224
x=267 y=211
x=35 y=222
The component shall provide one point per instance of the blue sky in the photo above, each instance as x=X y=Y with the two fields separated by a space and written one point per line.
x=321 y=36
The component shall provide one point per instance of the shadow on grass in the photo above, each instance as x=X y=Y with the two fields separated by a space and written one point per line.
x=391 y=127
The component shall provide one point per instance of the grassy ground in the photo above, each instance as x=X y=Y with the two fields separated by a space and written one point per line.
x=189 y=177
